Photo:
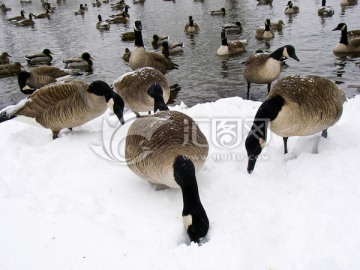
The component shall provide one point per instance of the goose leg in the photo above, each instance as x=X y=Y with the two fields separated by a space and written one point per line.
x=285 y=145
x=324 y=133
x=55 y=134
x=248 y=90
x=269 y=87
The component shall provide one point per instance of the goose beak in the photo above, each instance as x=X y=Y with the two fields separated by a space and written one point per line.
x=251 y=164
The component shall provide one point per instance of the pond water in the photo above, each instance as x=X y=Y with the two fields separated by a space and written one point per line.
x=203 y=76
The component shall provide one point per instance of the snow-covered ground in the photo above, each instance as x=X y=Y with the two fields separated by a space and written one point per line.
x=66 y=204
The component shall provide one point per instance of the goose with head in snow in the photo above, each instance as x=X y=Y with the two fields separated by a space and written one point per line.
x=84 y=61
x=45 y=57
x=230 y=47
x=263 y=68
x=158 y=151
x=101 y=25
x=38 y=77
x=141 y=58
x=133 y=87
x=349 y=41
x=66 y=104
x=4 y=58
x=265 y=33
x=295 y=106
x=291 y=9
x=191 y=26
x=218 y=12
x=171 y=48
x=325 y=11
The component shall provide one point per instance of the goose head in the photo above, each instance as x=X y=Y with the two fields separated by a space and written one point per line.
x=114 y=101
x=137 y=26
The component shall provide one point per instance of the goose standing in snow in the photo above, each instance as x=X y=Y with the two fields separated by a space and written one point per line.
x=295 y=106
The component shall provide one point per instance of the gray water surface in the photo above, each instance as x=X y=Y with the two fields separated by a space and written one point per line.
x=203 y=76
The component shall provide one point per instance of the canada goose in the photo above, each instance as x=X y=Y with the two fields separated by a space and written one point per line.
x=325 y=10
x=7 y=70
x=291 y=9
x=191 y=27
x=49 y=7
x=233 y=27
x=277 y=26
x=4 y=58
x=263 y=68
x=26 y=22
x=18 y=18
x=348 y=2
x=25 y=1
x=141 y=58
x=119 y=19
x=128 y=36
x=158 y=151
x=66 y=104
x=171 y=48
x=346 y=44
x=97 y=3
x=126 y=55
x=133 y=87
x=84 y=61
x=218 y=12
x=102 y=25
x=38 y=77
x=44 y=15
x=230 y=47
x=295 y=106
x=39 y=58
x=265 y=2
x=4 y=8
x=81 y=10
x=265 y=33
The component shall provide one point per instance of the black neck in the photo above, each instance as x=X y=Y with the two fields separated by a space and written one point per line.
x=344 y=37
x=159 y=104
x=323 y=3
x=224 y=42
x=278 y=54
x=191 y=23
x=138 y=39
x=267 y=27
x=267 y=112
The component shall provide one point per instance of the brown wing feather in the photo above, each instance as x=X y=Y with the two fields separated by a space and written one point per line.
x=53 y=72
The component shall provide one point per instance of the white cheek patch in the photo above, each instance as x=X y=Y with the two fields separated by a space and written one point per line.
x=26 y=87
x=262 y=143
x=110 y=104
x=285 y=53
x=343 y=28
x=187 y=221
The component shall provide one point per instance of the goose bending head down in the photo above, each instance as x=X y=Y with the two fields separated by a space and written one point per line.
x=133 y=88
x=295 y=106
x=159 y=151
x=263 y=68
x=140 y=58
x=66 y=104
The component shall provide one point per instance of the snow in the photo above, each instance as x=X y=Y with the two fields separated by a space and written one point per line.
x=62 y=206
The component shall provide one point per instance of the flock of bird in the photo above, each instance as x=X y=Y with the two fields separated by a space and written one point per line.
x=295 y=105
